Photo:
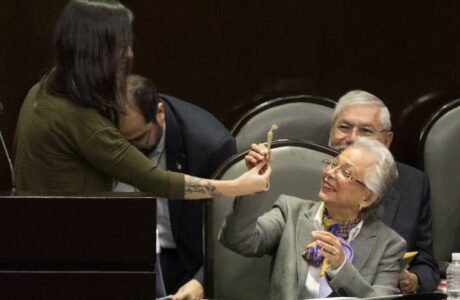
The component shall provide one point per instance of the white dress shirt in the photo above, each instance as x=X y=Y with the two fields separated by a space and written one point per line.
x=158 y=156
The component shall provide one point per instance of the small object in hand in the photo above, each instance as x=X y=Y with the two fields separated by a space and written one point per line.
x=269 y=143
x=323 y=267
x=270 y=137
x=406 y=260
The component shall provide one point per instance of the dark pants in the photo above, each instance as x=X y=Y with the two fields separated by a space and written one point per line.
x=175 y=274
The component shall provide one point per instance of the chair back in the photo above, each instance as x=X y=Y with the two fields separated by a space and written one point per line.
x=439 y=153
x=297 y=168
x=411 y=121
x=299 y=117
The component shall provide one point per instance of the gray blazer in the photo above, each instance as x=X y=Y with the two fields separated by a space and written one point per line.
x=283 y=233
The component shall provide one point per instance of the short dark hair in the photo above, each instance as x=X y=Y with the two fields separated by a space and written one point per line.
x=143 y=94
x=91 y=41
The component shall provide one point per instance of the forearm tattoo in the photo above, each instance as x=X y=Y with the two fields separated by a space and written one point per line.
x=198 y=185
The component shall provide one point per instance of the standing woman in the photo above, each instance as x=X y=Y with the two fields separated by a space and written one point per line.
x=66 y=138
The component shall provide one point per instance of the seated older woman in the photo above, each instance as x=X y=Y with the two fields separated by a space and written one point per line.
x=332 y=247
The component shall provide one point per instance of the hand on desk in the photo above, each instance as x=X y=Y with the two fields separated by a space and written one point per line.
x=192 y=290
x=408 y=282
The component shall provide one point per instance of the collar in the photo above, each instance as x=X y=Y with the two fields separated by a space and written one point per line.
x=318 y=224
x=318 y=219
x=161 y=144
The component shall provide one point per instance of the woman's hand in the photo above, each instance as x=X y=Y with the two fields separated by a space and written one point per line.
x=258 y=154
x=254 y=180
x=330 y=247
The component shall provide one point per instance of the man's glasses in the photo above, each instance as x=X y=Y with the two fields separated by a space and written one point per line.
x=366 y=131
x=342 y=171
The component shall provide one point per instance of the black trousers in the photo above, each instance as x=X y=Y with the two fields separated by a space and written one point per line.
x=174 y=272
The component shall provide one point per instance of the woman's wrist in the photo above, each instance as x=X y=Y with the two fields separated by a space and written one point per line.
x=234 y=187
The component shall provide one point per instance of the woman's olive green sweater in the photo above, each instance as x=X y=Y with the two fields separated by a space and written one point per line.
x=63 y=148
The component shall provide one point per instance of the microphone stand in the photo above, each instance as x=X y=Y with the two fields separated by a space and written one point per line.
x=10 y=164
x=7 y=154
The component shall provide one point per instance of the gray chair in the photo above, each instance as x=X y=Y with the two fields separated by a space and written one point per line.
x=296 y=171
x=439 y=152
x=299 y=117
x=411 y=121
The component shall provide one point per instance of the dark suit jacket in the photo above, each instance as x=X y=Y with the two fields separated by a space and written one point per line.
x=196 y=144
x=407 y=211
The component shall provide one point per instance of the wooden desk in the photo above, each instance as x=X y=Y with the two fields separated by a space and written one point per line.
x=96 y=247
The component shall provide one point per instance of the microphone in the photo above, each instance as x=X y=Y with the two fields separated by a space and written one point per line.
x=7 y=154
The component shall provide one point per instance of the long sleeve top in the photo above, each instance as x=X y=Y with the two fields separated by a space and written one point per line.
x=63 y=148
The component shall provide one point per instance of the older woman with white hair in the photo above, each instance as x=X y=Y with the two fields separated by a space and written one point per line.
x=335 y=246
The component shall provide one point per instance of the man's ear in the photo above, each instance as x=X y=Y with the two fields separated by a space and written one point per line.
x=388 y=138
x=160 y=117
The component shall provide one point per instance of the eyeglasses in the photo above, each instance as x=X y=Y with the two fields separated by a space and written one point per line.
x=362 y=131
x=343 y=171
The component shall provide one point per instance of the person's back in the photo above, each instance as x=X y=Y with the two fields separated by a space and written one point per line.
x=65 y=148
x=53 y=136
x=68 y=117
x=65 y=141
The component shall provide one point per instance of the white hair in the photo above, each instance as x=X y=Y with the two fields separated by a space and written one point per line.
x=358 y=97
x=383 y=175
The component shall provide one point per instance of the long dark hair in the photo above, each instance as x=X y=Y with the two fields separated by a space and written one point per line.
x=92 y=40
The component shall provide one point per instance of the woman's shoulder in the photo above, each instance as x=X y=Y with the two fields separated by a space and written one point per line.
x=65 y=109
x=383 y=231
x=61 y=114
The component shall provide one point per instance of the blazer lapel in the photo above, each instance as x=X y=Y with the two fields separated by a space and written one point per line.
x=364 y=243
x=175 y=161
x=174 y=141
x=391 y=203
x=303 y=237
x=390 y=206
